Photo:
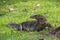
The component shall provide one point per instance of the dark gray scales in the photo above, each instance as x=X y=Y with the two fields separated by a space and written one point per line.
x=36 y=25
x=14 y=25
x=32 y=26
x=55 y=32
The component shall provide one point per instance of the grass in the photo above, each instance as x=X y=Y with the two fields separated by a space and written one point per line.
x=22 y=11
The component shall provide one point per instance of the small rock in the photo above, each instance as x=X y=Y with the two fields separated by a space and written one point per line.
x=38 y=5
x=11 y=8
x=4 y=1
